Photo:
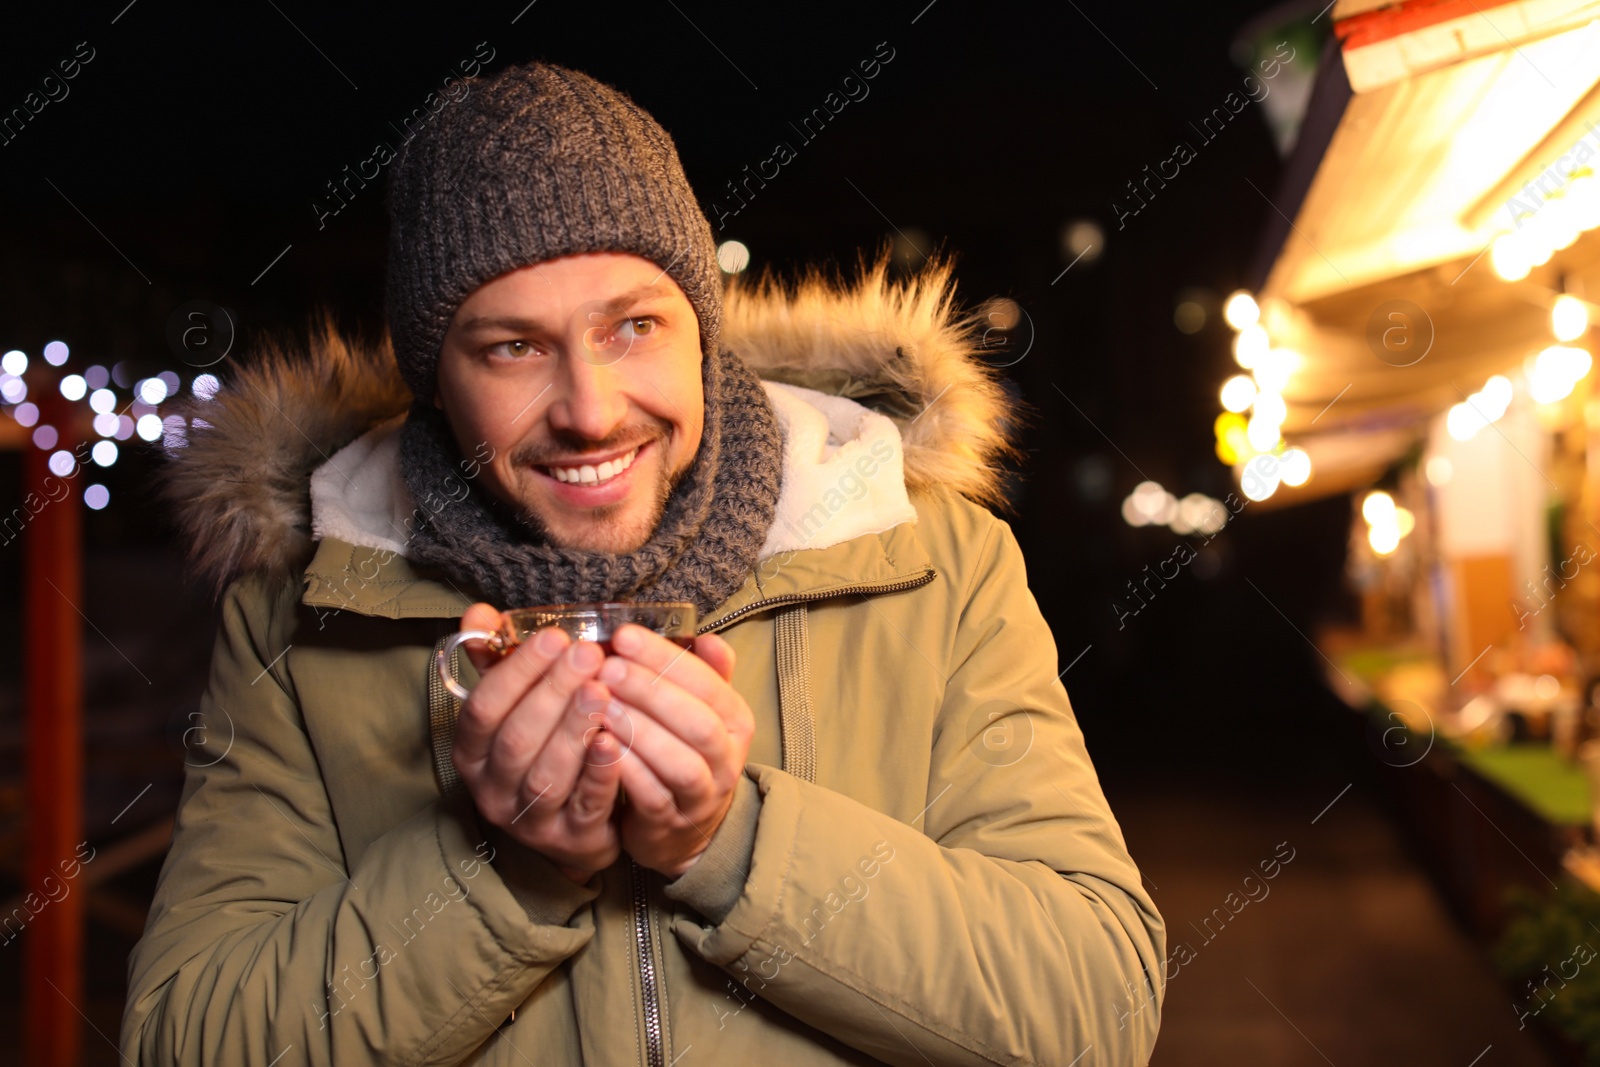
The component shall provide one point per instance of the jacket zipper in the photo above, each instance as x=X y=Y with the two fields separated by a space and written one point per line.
x=655 y=1044
x=796 y=598
x=655 y=1049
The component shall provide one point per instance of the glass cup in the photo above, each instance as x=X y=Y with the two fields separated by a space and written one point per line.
x=582 y=622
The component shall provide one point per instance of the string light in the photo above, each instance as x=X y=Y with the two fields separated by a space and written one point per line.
x=98 y=385
x=1565 y=213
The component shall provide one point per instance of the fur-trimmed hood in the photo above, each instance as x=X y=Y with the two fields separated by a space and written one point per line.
x=242 y=485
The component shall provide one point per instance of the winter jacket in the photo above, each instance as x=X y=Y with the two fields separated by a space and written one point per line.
x=919 y=865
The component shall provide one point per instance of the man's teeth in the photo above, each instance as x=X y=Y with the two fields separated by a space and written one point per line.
x=594 y=475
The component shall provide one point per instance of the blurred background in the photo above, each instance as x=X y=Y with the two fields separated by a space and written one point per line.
x=1294 y=301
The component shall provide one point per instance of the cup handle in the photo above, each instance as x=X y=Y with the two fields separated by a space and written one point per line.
x=441 y=659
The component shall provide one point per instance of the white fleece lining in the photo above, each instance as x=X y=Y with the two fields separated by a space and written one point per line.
x=843 y=477
x=843 y=471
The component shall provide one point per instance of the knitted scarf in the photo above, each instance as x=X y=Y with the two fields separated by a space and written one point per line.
x=705 y=546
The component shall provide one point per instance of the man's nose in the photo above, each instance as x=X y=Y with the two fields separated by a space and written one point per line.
x=590 y=401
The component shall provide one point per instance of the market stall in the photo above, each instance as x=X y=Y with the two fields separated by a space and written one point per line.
x=1420 y=337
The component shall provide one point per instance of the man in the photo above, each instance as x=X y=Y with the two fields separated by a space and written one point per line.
x=858 y=824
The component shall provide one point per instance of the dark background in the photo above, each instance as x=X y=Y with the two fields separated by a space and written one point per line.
x=189 y=152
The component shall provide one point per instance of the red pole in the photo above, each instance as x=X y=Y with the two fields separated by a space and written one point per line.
x=52 y=577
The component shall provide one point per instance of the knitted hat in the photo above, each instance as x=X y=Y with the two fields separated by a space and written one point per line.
x=533 y=163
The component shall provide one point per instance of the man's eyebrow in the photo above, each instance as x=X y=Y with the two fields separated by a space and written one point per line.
x=632 y=296
x=480 y=323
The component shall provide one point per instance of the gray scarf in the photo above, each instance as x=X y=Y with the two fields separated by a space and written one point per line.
x=708 y=541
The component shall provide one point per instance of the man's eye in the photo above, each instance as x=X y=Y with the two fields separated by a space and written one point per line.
x=513 y=349
x=637 y=328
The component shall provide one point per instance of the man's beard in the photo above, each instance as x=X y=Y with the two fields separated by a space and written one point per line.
x=525 y=518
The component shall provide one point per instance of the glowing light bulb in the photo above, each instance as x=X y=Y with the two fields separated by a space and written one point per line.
x=1463 y=422
x=1556 y=370
x=1509 y=257
x=1295 y=467
x=1260 y=477
x=1241 y=310
x=1569 y=318
x=1273 y=369
x=1384 y=539
x=1378 y=508
x=1251 y=344
x=1271 y=408
x=1262 y=434
x=1238 y=392
x=1495 y=396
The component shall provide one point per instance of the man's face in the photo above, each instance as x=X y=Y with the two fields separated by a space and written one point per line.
x=583 y=375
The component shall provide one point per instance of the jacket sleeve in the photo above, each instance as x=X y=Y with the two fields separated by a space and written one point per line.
x=1005 y=924
x=262 y=939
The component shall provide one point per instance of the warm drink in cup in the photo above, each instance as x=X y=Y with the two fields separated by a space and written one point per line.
x=582 y=622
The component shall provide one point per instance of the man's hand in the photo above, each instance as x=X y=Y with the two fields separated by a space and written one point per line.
x=529 y=747
x=685 y=734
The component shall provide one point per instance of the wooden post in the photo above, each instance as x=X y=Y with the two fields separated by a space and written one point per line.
x=53 y=595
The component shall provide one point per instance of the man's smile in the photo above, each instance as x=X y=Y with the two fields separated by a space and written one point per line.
x=591 y=470
x=589 y=484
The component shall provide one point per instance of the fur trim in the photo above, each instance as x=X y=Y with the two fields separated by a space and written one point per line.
x=898 y=347
x=241 y=483
x=240 y=487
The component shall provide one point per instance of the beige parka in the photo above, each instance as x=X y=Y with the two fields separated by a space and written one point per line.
x=920 y=866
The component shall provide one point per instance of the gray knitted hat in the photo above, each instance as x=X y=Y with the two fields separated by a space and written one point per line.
x=533 y=163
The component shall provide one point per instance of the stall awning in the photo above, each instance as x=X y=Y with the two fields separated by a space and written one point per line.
x=1458 y=118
